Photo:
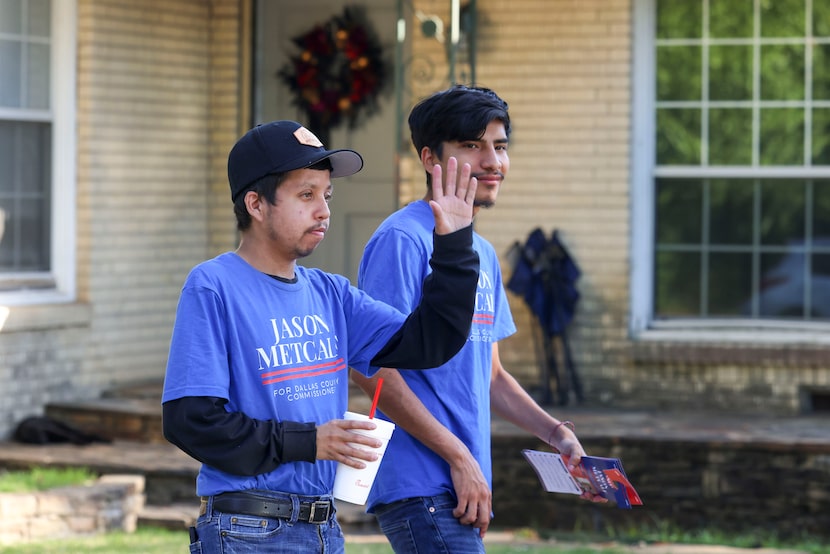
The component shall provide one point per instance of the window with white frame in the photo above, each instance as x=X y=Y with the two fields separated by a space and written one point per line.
x=739 y=176
x=37 y=181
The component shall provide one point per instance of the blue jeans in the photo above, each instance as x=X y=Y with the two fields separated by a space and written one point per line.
x=224 y=533
x=426 y=525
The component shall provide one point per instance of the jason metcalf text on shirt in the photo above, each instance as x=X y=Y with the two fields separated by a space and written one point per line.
x=304 y=347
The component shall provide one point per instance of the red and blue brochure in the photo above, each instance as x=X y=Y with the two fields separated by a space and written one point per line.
x=602 y=476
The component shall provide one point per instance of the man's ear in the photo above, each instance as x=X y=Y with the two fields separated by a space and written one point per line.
x=254 y=204
x=428 y=158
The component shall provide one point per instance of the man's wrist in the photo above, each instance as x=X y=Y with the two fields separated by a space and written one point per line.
x=559 y=428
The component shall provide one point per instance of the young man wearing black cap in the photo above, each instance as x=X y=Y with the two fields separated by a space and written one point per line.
x=257 y=377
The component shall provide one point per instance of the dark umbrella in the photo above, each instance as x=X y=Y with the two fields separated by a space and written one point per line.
x=545 y=275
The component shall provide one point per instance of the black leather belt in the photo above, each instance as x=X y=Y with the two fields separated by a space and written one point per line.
x=255 y=505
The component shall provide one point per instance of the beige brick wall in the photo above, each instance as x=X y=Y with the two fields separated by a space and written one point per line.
x=150 y=122
x=229 y=113
x=564 y=68
x=157 y=111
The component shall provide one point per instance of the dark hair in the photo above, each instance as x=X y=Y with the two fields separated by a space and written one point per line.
x=266 y=187
x=458 y=113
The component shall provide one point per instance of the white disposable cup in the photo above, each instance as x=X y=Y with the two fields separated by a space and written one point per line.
x=353 y=485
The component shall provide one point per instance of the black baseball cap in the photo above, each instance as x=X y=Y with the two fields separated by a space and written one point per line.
x=281 y=146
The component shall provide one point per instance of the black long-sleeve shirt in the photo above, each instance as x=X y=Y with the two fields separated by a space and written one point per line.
x=432 y=334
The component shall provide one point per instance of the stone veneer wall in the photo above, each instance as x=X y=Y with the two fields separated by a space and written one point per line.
x=112 y=503
x=687 y=484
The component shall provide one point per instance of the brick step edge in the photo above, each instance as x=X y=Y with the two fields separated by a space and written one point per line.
x=174 y=516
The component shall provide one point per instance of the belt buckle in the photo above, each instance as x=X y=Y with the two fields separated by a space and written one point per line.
x=320 y=511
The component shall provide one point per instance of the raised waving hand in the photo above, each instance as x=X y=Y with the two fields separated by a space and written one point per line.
x=452 y=197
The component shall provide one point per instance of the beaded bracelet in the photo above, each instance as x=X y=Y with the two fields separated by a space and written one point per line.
x=568 y=424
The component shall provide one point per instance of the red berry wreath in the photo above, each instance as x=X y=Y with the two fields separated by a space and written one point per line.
x=339 y=72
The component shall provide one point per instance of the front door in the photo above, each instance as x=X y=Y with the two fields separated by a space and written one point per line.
x=362 y=201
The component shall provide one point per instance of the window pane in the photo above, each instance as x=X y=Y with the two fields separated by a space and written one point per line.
x=7 y=158
x=782 y=285
x=821 y=72
x=730 y=283
x=679 y=207
x=34 y=235
x=821 y=18
x=730 y=18
x=38 y=77
x=730 y=73
x=24 y=244
x=10 y=72
x=39 y=18
x=821 y=211
x=679 y=19
x=25 y=197
x=10 y=16
x=782 y=136
x=32 y=156
x=677 y=284
x=730 y=136
x=7 y=237
x=730 y=218
x=821 y=136
x=782 y=18
x=678 y=85
x=739 y=247
x=782 y=72
x=820 y=285
x=678 y=136
x=782 y=212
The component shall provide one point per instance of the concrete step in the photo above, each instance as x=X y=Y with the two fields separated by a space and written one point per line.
x=130 y=417
x=113 y=418
x=172 y=516
x=170 y=474
x=130 y=412
x=133 y=412
x=170 y=477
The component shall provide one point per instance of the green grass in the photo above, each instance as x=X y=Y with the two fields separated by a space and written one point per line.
x=758 y=539
x=43 y=478
x=143 y=541
x=664 y=533
x=161 y=541
x=352 y=548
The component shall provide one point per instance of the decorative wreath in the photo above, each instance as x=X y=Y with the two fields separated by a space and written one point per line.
x=339 y=72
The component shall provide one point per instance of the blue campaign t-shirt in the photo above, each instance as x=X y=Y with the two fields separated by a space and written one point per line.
x=274 y=350
x=394 y=265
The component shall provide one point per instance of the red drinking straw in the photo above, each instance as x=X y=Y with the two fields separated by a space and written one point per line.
x=375 y=399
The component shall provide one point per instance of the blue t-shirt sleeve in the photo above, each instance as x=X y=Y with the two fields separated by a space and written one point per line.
x=504 y=324
x=393 y=268
x=198 y=360
x=371 y=324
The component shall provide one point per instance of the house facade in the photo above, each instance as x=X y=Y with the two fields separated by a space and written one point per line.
x=679 y=148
